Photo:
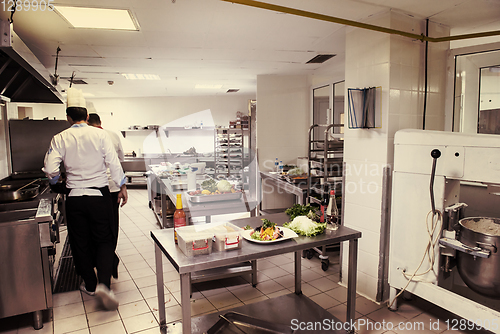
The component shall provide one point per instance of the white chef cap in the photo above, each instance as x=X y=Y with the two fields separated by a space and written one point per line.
x=75 y=98
x=90 y=108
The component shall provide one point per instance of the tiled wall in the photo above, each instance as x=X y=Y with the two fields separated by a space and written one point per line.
x=396 y=64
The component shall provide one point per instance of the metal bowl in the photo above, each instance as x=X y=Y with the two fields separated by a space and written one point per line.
x=481 y=275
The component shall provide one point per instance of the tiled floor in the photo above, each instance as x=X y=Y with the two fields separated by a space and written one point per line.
x=135 y=289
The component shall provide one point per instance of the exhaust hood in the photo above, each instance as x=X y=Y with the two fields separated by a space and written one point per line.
x=22 y=77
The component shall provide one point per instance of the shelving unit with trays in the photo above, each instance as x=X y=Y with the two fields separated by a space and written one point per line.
x=230 y=153
x=325 y=163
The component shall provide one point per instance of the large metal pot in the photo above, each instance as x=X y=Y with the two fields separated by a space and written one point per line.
x=482 y=275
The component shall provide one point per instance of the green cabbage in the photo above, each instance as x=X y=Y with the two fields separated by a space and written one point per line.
x=224 y=186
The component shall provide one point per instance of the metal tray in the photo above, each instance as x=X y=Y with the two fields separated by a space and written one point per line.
x=214 y=198
x=296 y=180
x=240 y=323
x=179 y=186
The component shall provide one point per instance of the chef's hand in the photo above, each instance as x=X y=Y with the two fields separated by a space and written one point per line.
x=122 y=195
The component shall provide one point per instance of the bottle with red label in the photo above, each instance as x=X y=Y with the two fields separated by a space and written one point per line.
x=179 y=216
x=323 y=206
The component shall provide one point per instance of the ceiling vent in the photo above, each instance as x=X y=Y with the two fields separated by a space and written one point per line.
x=232 y=90
x=320 y=59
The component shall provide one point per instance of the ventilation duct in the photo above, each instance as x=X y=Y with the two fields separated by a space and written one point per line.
x=319 y=59
x=21 y=78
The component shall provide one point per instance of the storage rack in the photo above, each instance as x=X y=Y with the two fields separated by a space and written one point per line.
x=325 y=159
x=229 y=152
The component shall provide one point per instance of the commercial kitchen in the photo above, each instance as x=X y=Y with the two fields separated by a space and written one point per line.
x=392 y=105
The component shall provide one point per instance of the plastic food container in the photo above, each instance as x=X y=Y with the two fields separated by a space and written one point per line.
x=195 y=241
x=226 y=237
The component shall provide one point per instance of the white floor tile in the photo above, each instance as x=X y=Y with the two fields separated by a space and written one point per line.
x=99 y=318
x=140 y=322
x=72 y=324
x=115 y=327
x=133 y=309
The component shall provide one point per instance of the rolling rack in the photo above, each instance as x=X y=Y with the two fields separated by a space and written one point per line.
x=325 y=164
x=230 y=152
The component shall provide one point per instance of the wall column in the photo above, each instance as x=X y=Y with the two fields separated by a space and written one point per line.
x=396 y=64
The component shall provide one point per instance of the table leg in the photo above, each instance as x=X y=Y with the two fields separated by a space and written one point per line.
x=254 y=273
x=160 y=288
x=298 y=272
x=351 y=280
x=185 y=303
x=163 y=199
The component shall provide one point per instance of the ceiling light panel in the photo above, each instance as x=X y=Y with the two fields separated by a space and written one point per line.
x=132 y=76
x=98 y=18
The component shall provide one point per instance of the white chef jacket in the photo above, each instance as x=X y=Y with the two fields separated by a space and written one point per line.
x=117 y=144
x=86 y=152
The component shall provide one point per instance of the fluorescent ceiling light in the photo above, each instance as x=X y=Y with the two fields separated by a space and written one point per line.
x=97 y=18
x=204 y=86
x=83 y=93
x=131 y=76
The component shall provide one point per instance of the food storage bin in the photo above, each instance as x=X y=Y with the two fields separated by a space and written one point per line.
x=195 y=241
x=226 y=237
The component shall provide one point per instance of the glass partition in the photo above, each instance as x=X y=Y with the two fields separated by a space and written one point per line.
x=477 y=93
x=489 y=100
x=328 y=107
x=321 y=108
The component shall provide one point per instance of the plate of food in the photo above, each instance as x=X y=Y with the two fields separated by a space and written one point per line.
x=268 y=233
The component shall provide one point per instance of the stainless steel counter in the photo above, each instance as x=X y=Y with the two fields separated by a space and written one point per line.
x=297 y=189
x=249 y=252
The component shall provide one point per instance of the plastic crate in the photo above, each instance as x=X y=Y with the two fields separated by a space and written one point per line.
x=195 y=241
x=227 y=236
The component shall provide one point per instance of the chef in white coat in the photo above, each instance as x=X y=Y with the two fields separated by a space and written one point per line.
x=87 y=152
x=95 y=120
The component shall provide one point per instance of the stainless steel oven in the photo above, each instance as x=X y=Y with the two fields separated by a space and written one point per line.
x=27 y=248
x=29 y=222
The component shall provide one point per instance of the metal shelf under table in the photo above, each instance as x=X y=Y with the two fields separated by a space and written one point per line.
x=250 y=251
x=293 y=310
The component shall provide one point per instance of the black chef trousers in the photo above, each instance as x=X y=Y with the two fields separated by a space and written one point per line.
x=92 y=235
x=116 y=211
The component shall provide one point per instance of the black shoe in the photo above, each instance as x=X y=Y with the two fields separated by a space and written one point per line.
x=116 y=261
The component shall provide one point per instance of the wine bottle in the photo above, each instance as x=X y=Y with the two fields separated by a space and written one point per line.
x=179 y=216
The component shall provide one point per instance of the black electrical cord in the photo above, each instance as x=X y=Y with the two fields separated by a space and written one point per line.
x=72 y=78
x=11 y=20
x=435 y=154
x=425 y=71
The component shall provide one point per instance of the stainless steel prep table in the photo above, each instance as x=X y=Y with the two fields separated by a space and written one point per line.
x=298 y=189
x=164 y=243
x=208 y=209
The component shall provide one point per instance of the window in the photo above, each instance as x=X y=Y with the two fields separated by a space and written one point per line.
x=477 y=93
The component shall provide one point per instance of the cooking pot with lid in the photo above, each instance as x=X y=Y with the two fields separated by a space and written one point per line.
x=481 y=275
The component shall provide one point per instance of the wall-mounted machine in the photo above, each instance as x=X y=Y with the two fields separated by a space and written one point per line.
x=445 y=231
